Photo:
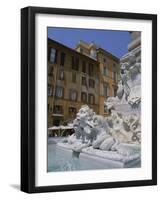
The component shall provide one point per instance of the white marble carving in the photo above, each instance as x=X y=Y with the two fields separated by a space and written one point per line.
x=119 y=134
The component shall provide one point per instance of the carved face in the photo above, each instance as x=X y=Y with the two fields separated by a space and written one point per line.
x=83 y=113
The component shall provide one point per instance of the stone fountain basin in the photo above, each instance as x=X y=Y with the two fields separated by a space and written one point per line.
x=109 y=158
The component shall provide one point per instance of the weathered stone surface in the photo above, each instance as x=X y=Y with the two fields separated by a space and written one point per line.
x=96 y=144
x=107 y=144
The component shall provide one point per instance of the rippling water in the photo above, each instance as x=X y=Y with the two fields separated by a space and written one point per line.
x=60 y=159
x=63 y=160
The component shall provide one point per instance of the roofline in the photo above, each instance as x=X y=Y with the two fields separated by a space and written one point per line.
x=73 y=50
x=109 y=54
x=88 y=45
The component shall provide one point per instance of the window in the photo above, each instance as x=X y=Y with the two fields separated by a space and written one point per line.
x=91 y=71
x=59 y=92
x=115 y=76
x=74 y=77
x=93 y=53
x=73 y=66
x=62 y=59
x=91 y=99
x=49 y=90
x=53 y=55
x=91 y=83
x=75 y=63
x=115 y=92
x=84 y=82
x=104 y=60
x=50 y=70
x=105 y=89
x=57 y=109
x=84 y=67
x=105 y=71
x=72 y=112
x=73 y=95
x=61 y=75
x=84 y=97
x=81 y=50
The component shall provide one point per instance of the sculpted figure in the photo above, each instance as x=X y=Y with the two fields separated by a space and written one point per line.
x=129 y=85
x=117 y=129
x=124 y=75
x=84 y=125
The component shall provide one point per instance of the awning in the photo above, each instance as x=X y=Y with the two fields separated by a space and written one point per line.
x=57 y=115
x=60 y=127
x=54 y=128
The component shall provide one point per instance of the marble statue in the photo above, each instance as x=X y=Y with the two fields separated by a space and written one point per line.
x=118 y=134
x=125 y=107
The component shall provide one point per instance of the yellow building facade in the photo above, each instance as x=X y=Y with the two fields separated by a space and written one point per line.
x=73 y=80
x=85 y=75
x=108 y=65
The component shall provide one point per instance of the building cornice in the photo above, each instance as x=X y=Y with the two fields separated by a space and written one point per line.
x=72 y=50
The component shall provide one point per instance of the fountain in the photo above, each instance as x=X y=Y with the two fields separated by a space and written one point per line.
x=116 y=138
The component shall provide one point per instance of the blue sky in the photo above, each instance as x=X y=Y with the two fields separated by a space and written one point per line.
x=113 y=41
